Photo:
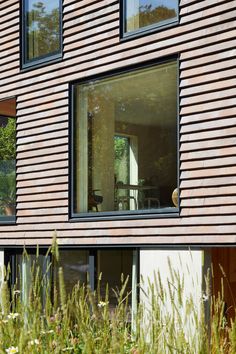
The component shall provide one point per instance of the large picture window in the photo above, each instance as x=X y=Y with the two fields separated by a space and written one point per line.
x=41 y=30
x=125 y=142
x=145 y=14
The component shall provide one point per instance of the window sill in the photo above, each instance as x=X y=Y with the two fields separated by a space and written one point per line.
x=7 y=220
x=148 y=30
x=128 y=215
x=35 y=64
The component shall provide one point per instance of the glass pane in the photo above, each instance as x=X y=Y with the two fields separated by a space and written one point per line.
x=43 y=28
x=112 y=265
x=142 y=13
x=126 y=141
x=26 y=267
x=75 y=266
x=7 y=166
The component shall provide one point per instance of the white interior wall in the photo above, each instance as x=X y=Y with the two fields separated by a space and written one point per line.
x=186 y=264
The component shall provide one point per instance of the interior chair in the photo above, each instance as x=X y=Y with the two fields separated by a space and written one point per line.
x=125 y=201
x=152 y=195
x=94 y=200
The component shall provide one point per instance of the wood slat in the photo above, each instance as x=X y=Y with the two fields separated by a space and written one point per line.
x=26 y=185
x=190 y=14
x=212 y=115
x=42 y=196
x=194 y=5
x=209 y=153
x=208 y=201
x=207 y=182
x=209 y=191
x=195 y=90
x=209 y=134
x=42 y=174
x=219 y=210
x=203 y=61
x=205 y=163
x=39 y=204
x=210 y=172
x=214 y=124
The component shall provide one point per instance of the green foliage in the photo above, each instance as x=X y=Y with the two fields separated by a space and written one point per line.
x=7 y=164
x=7 y=185
x=8 y=140
x=120 y=147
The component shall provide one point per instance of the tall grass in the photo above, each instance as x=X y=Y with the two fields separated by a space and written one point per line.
x=83 y=322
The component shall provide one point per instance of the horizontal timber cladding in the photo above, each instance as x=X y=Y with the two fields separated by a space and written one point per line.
x=205 y=42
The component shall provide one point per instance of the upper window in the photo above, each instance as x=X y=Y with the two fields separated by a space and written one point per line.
x=144 y=14
x=7 y=160
x=41 y=30
x=125 y=142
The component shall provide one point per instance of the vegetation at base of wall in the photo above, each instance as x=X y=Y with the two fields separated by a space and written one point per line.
x=53 y=321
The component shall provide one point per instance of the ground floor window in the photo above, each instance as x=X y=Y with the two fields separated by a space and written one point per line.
x=106 y=269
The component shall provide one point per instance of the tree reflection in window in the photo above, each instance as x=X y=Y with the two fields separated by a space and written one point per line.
x=149 y=15
x=43 y=28
x=143 y=13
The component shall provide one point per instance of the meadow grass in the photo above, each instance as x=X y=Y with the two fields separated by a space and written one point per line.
x=53 y=321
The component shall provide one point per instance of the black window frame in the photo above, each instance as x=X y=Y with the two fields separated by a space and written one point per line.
x=42 y=60
x=156 y=27
x=124 y=214
x=10 y=254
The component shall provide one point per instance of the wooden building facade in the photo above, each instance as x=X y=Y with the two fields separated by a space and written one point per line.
x=201 y=41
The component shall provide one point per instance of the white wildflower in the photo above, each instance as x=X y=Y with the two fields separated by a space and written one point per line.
x=102 y=304
x=50 y=331
x=16 y=292
x=205 y=297
x=12 y=350
x=67 y=349
x=34 y=342
x=12 y=316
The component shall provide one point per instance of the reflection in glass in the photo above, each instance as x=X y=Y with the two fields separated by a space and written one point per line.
x=42 y=27
x=113 y=265
x=7 y=166
x=142 y=13
x=27 y=265
x=75 y=264
x=122 y=167
x=126 y=141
